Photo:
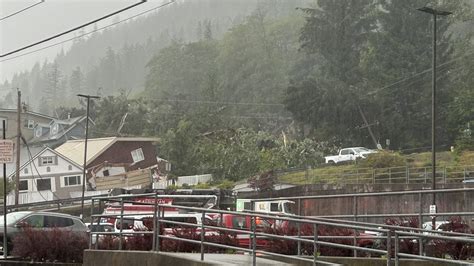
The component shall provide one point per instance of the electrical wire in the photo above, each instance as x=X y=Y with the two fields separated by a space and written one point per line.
x=217 y=102
x=37 y=171
x=22 y=10
x=90 y=32
x=73 y=29
x=419 y=74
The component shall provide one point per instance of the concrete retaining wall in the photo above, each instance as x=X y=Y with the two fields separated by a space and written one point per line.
x=446 y=202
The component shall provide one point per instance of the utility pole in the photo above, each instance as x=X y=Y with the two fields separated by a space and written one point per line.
x=368 y=127
x=435 y=14
x=18 y=137
x=84 y=177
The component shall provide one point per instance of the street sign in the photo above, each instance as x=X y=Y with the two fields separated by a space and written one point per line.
x=432 y=209
x=6 y=151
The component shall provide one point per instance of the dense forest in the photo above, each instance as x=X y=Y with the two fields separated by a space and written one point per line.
x=263 y=85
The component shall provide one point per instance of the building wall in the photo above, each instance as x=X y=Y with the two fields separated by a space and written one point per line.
x=120 y=152
x=57 y=173
x=11 y=115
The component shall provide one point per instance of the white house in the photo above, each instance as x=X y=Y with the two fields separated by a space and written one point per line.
x=47 y=176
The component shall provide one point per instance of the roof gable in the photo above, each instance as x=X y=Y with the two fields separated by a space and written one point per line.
x=39 y=154
x=74 y=149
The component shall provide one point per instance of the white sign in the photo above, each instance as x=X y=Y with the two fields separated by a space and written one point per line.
x=432 y=209
x=6 y=151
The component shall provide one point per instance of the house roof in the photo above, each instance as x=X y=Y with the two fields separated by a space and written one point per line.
x=66 y=125
x=25 y=155
x=74 y=149
x=26 y=112
x=25 y=164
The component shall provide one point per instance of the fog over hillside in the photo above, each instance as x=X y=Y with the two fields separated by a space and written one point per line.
x=115 y=58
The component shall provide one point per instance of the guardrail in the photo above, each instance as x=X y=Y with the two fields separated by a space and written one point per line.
x=392 y=175
x=391 y=235
x=58 y=203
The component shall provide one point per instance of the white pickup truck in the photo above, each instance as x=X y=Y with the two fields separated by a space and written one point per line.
x=349 y=154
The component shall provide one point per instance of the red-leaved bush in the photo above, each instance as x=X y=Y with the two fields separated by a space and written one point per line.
x=406 y=245
x=145 y=241
x=433 y=247
x=290 y=247
x=53 y=245
x=453 y=249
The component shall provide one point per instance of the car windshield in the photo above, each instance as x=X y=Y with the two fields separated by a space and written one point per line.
x=290 y=207
x=360 y=149
x=13 y=217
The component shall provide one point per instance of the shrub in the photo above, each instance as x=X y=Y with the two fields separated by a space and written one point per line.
x=55 y=245
x=453 y=249
x=289 y=247
x=383 y=159
x=406 y=245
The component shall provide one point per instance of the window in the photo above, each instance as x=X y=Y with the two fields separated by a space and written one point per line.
x=274 y=207
x=127 y=224
x=69 y=168
x=247 y=206
x=72 y=180
x=344 y=152
x=43 y=184
x=53 y=129
x=38 y=131
x=53 y=221
x=48 y=169
x=47 y=160
x=25 y=170
x=137 y=155
x=34 y=221
x=23 y=186
x=30 y=124
x=106 y=173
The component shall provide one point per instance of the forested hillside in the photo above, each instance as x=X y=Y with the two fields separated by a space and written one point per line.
x=107 y=61
x=276 y=86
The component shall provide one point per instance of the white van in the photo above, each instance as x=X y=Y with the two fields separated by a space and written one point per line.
x=136 y=223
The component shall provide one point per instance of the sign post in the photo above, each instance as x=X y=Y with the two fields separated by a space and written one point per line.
x=6 y=156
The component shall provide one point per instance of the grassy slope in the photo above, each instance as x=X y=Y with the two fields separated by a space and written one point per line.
x=328 y=173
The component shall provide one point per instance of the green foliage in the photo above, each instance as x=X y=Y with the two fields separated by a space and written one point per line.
x=226 y=184
x=202 y=186
x=464 y=143
x=382 y=159
x=10 y=186
x=178 y=147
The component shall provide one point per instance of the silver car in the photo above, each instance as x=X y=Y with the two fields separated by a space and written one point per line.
x=39 y=221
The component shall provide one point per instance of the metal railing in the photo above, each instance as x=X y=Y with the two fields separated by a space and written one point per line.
x=391 y=235
x=392 y=175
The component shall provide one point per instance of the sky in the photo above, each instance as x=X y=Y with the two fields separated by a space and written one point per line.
x=49 y=18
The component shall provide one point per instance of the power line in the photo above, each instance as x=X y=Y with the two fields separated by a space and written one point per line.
x=90 y=32
x=22 y=10
x=418 y=74
x=218 y=102
x=37 y=171
x=73 y=29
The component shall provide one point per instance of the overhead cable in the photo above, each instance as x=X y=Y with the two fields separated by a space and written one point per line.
x=73 y=29
x=22 y=10
x=88 y=33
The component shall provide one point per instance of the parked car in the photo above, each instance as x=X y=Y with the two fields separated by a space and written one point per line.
x=138 y=223
x=95 y=230
x=16 y=221
x=349 y=154
x=244 y=223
